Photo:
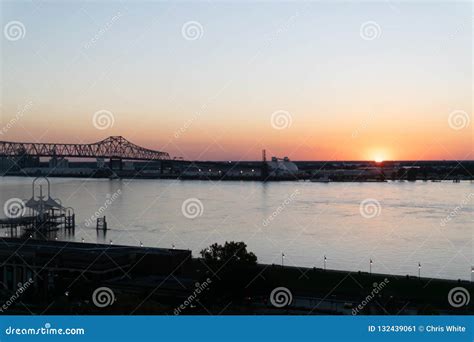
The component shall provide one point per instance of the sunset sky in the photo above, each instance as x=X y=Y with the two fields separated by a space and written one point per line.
x=351 y=81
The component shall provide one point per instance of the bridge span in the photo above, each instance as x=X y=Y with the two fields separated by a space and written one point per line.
x=113 y=148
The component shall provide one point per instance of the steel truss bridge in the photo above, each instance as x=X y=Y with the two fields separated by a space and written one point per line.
x=113 y=148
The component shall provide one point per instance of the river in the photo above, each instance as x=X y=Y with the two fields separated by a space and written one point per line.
x=397 y=225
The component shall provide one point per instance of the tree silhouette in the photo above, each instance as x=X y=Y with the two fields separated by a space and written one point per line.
x=231 y=253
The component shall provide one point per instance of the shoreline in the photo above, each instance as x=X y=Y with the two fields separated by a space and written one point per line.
x=145 y=280
x=230 y=179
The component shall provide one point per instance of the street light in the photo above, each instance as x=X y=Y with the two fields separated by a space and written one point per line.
x=419 y=270
x=282 y=259
x=325 y=259
x=370 y=266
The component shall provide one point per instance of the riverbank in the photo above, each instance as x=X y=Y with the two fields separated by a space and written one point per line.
x=65 y=278
x=318 y=171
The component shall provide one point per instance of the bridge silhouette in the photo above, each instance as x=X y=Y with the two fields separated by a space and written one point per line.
x=113 y=148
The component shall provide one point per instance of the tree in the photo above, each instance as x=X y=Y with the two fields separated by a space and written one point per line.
x=232 y=253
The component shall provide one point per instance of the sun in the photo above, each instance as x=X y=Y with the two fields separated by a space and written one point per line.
x=379 y=159
x=378 y=155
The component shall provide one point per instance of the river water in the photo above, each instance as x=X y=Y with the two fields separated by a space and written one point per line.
x=395 y=224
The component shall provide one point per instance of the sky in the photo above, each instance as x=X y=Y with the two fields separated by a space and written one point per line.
x=222 y=80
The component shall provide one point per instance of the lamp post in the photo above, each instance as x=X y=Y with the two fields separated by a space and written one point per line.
x=325 y=259
x=419 y=270
x=282 y=259
x=370 y=266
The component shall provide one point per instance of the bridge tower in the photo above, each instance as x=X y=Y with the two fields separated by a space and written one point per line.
x=116 y=164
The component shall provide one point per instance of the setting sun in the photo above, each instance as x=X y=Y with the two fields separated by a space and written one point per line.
x=379 y=159
x=378 y=155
